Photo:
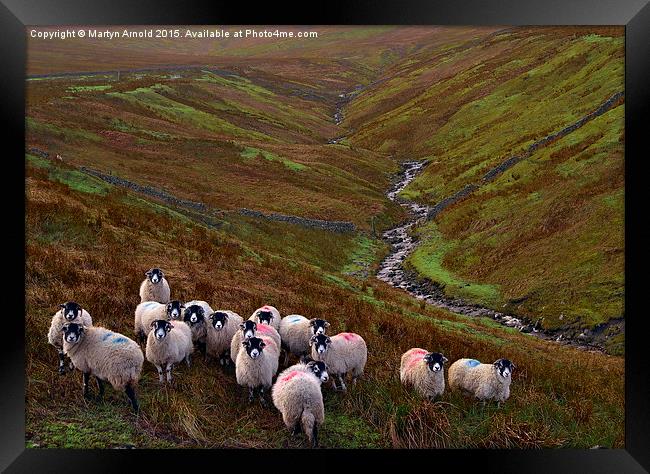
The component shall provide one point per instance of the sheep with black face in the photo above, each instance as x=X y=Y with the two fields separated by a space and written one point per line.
x=69 y=312
x=168 y=344
x=343 y=353
x=248 y=329
x=155 y=287
x=424 y=371
x=195 y=314
x=267 y=315
x=256 y=365
x=107 y=355
x=149 y=311
x=482 y=381
x=296 y=331
x=222 y=326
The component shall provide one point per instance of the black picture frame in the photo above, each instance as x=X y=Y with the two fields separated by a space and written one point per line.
x=634 y=14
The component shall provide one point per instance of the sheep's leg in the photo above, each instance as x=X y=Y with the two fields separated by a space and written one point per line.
x=160 y=374
x=285 y=363
x=86 y=377
x=342 y=382
x=169 y=372
x=314 y=439
x=100 y=384
x=61 y=362
x=296 y=429
x=132 y=398
x=262 y=399
x=188 y=358
x=251 y=394
x=334 y=383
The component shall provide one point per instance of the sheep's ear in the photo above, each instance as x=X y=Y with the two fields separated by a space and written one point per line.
x=312 y=340
x=153 y=323
x=328 y=340
x=262 y=344
x=444 y=360
x=327 y=324
x=312 y=321
x=244 y=342
x=147 y=273
x=211 y=317
x=169 y=326
x=61 y=306
x=225 y=316
x=241 y=326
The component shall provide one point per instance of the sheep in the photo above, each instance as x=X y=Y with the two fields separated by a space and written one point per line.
x=219 y=333
x=168 y=344
x=345 y=352
x=483 y=381
x=249 y=329
x=107 y=355
x=267 y=315
x=155 y=287
x=295 y=332
x=195 y=313
x=297 y=395
x=68 y=312
x=256 y=365
x=424 y=371
x=148 y=311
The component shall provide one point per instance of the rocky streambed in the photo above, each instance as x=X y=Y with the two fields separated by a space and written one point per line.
x=402 y=244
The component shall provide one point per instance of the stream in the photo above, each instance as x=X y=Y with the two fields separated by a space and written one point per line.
x=392 y=271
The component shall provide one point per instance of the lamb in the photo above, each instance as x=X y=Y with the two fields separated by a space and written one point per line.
x=195 y=313
x=168 y=344
x=267 y=315
x=483 y=381
x=297 y=395
x=342 y=353
x=295 y=332
x=256 y=365
x=149 y=311
x=69 y=312
x=424 y=371
x=249 y=329
x=155 y=287
x=219 y=333
x=107 y=355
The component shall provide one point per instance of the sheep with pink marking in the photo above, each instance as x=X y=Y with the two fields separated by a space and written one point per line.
x=423 y=371
x=297 y=395
x=295 y=332
x=343 y=353
x=248 y=329
x=267 y=315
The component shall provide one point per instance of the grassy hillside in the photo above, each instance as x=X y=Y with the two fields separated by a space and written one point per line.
x=84 y=236
x=546 y=238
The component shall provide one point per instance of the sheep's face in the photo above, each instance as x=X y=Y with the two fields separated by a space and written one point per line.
x=155 y=275
x=174 y=309
x=318 y=326
x=265 y=317
x=319 y=369
x=254 y=347
x=504 y=368
x=71 y=310
x=248 y=328
x=320 y=342
x=435 y=361
x=219 y=320
x=194 y=314
x=72 y=332
x=160 y=328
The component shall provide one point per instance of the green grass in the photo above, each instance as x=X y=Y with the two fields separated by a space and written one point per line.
x=68 y=135
x=251 y=152
x=89 y=88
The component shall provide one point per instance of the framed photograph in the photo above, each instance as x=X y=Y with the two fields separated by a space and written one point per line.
x=359 y=233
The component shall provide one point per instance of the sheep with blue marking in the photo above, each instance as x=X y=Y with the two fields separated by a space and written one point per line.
x=267 y=315
x=423 y=371
x=149 y=311
x=69 y=312
x=222 y=326
x=296 y=331
x=107 y=355
x=155 y=287
x=168 y=343
x=482 y=381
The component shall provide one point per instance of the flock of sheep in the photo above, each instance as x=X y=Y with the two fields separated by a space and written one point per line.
x=170 y=330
